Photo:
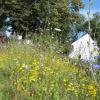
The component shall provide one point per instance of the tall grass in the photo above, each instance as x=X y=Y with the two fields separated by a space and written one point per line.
x=38 y=71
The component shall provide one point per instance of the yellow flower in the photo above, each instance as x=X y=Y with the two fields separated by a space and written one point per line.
x=91 y=87
x=32 y=78
x=92 y=90
x=64 y=80
x=21 y=69
x=83 y=85
x=18 y=64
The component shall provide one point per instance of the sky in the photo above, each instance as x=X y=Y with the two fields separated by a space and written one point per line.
x=95 y=7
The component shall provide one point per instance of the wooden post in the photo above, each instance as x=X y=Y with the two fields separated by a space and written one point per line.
x=2 y=38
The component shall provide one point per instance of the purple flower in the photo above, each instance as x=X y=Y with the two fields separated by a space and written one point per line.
x=96 y=66
x=41 y=64
x=86 y=60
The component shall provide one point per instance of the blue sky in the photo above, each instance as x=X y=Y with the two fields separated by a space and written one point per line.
x=94 y=8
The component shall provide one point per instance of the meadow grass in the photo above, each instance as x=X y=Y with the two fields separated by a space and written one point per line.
x=38 y=72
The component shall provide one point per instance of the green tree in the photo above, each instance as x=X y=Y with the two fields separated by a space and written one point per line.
x=95 y=27
x=42 y=15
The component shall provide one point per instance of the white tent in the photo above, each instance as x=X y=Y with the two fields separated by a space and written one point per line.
x=85 y=48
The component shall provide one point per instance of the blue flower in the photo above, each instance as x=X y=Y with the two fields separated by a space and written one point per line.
x=96 y=66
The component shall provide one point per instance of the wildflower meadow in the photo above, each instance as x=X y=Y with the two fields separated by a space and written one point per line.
x=38 y=71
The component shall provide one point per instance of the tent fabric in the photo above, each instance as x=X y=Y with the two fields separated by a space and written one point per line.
x=85 y=48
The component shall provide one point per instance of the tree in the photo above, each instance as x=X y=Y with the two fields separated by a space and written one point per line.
x=36 y=15
x=21 y=14
x=59 y=14
x=95 y=27
x=78 y=27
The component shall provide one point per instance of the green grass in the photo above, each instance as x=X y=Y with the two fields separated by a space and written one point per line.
x=39 y=72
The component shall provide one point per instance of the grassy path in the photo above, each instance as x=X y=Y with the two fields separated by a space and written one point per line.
x=3 y=83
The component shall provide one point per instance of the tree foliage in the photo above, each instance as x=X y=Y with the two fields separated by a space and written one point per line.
x=95 y=27
x=36 y=15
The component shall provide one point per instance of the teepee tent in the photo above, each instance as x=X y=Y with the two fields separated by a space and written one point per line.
x=85 y=48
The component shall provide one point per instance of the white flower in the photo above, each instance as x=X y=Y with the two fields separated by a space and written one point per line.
x=57 y=29
x=25 y=66
x=19 y=37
